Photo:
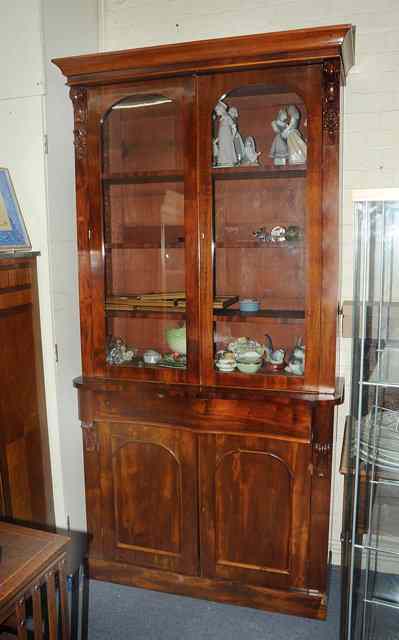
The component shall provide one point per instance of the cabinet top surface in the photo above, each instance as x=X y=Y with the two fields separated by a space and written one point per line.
x=6 y=255
x=197 y=391
x=25 y=552
x=261 y=49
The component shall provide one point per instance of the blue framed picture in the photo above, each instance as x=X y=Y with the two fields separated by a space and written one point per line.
x=13 y=234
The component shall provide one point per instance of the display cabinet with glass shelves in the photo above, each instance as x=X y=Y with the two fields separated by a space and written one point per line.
x=371 y=468
x=208 y=203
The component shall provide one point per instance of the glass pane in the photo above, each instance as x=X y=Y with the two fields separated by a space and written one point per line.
x=375 y=424
x=259 y=190
x=140 y=134
x=375 y=605
x=381 y=294
x=143 y=191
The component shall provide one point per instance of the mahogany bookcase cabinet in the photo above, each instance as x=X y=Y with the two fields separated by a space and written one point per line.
x=207 y=179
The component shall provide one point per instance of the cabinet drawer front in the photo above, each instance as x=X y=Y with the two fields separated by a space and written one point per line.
x=279 y=418
x=284 y=418
x=148 y=490
x=255 y=510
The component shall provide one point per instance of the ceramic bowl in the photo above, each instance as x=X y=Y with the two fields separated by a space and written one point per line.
x=226 y=365
x=243 y=345
x=249 y=357
x=226 y=356
x=151 y=356
x=249 y=367
x=176 y=339
x=249 y=304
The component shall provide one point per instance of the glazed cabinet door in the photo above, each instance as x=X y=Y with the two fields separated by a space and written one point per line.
x=148 y=496
x=137 y=223
x=254 y=505
x=263 y=207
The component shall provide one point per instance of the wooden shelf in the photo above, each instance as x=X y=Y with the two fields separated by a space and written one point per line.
x=279 y=316
x=143 y=176
x=253 y=244
x=263 y=371
x=143 y=245
x=173 y=313
x=255 y=173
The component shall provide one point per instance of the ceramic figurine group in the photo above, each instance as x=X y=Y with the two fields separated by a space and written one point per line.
x=231 y=150
x=288 y=145
x=278 y=234
x=248 y=356
x=119 y=353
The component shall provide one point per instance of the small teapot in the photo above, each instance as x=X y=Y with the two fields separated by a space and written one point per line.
x=274 y=357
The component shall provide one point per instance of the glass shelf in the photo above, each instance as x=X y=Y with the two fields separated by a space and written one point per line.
x=386 y=372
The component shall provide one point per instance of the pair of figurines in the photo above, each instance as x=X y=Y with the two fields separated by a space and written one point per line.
x=119 y=352
x=229 y=148
x=288 y=145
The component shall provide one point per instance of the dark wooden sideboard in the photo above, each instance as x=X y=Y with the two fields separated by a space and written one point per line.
x=25 y=475
x=206 y=475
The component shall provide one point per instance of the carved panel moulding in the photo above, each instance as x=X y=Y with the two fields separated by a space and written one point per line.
x=89 y=436
x=322 y=458
x=79 y=100
x=331 y=73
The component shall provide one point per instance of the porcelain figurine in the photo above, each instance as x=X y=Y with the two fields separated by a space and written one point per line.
x=215 y=148
x=279 y=149
x=297 y=149
x=261 y=234
x=251 y=156
x=296 y=364
x=237 y=138
x=278 y=234
x=119 y=352
x=274 y=357
x=226 y=155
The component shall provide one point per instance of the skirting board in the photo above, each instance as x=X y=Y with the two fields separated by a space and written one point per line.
x=291 y=602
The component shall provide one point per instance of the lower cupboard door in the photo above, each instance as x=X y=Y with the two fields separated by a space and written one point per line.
x=255 y=509
x=148 y=493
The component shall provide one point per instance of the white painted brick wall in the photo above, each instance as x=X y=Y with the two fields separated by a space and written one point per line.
x=371 y=111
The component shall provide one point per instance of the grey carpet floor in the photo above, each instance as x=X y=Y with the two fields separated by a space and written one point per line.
x=124 y=613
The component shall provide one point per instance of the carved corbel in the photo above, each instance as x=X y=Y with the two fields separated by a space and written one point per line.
x=79 y=100
x=331 y=106
x=322 y=458
x=90 y=437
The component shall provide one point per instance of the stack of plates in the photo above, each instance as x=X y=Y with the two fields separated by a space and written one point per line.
x=379 y=439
